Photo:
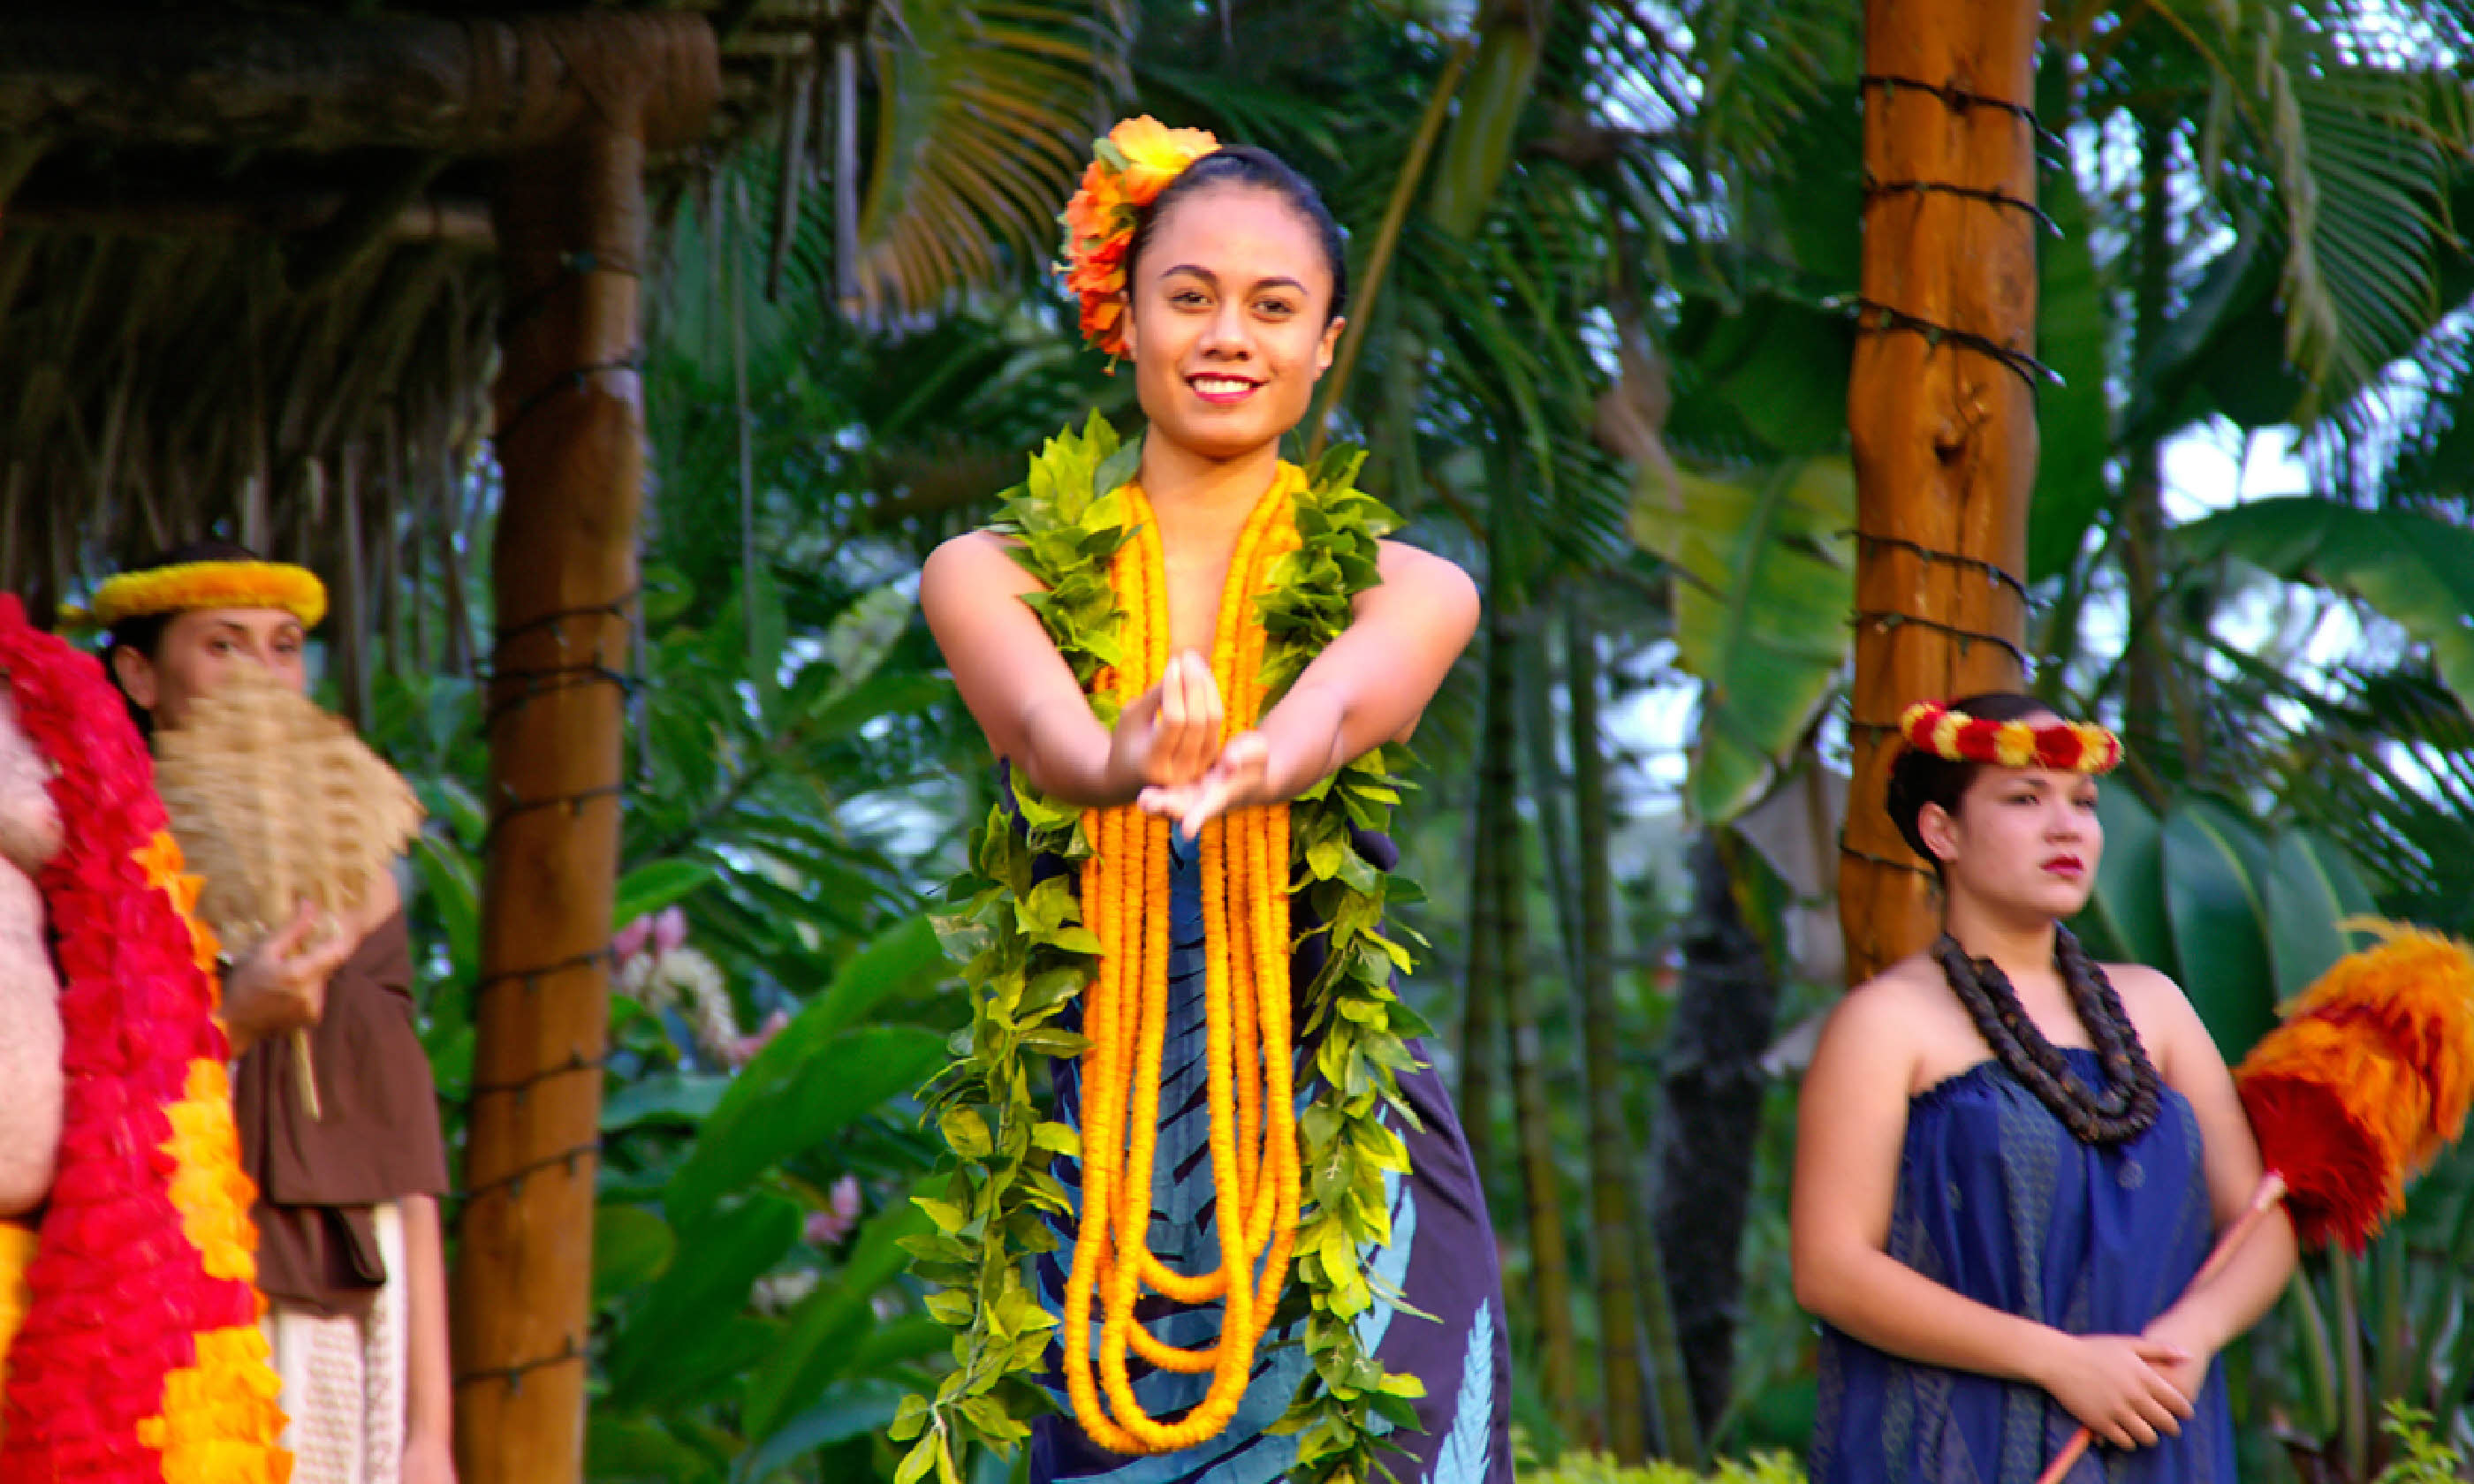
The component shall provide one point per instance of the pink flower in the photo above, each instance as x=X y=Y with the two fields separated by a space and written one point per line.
x=743 y=1050
x=630 y=940
x=669 y=929
x=827 y=1227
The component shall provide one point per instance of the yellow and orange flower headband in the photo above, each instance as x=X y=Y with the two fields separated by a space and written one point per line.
x=2066 y=747
x=190 y=586
x=1128 y=170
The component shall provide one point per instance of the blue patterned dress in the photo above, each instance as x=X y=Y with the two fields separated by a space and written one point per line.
x=1997 y=1200
x=1442 y=1257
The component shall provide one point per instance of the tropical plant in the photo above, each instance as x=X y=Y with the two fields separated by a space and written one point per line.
x=756 y=1159
x=1593 y=1468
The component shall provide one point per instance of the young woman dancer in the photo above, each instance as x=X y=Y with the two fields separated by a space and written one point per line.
x=1187 y=660
x=2011 y=1161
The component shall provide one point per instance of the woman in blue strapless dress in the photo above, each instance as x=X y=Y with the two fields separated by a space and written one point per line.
x=2012 y=1162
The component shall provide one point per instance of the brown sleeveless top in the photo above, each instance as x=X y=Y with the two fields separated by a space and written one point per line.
x=378 y=1141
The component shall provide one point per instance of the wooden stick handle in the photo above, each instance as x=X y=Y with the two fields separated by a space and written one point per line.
x=308 y=1075
x=2265 y=1199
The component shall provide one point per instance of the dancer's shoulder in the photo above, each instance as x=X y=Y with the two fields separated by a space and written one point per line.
x=975 y=564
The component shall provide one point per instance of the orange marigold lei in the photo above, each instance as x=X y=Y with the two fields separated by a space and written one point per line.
x=138 y=1360
x=1035 y=941
x=1245 y=1001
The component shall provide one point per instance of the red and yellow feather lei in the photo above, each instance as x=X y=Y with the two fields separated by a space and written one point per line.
x=139 y=1359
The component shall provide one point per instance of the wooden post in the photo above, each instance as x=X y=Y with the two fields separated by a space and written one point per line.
x=1941 y=407
x=570 y=444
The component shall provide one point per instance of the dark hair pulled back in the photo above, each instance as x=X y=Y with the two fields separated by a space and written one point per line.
x=1259 y=169
x=1919 y=778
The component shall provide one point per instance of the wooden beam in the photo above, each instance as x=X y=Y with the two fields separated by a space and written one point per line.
x=447 y=221
x=465 y=87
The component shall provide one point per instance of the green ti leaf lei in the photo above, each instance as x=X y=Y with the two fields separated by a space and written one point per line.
x=1025 y=954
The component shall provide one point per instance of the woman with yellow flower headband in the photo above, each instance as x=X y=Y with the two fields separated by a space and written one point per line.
x=1209 y=1207
x=351 y=1254
x=2011 y=1160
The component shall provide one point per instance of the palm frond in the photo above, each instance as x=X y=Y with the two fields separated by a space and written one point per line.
x=985 y=110
x=2346 y=133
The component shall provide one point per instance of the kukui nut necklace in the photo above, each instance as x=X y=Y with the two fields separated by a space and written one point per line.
x=2127 y=1105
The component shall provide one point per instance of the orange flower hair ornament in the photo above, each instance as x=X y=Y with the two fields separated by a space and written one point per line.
x=2369 y=1076
x=1127 y=171
x=2069 y=747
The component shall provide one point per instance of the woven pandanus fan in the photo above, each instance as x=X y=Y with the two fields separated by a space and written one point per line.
x=276 y=803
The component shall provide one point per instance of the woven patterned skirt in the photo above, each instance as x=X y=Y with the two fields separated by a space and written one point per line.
x=1442 y=1258
x=344 y=1379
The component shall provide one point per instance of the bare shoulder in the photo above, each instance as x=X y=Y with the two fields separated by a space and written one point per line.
x=2138 y=984
x=1434 y=583
x=1401 y=561
x=1886 y=1011
x=1913 y=984
x=1906 y=1020
x=976 y=560
x=966 y=574
x=2166 y=1021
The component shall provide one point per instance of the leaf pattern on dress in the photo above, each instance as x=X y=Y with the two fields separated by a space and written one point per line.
x=1464 y=1458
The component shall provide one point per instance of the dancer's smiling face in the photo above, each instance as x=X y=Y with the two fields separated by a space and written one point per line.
x=1229 y=320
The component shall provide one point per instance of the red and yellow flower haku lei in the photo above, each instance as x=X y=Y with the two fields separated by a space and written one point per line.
x=139 y=1359
x=2067 y=746
x=1252 y=1100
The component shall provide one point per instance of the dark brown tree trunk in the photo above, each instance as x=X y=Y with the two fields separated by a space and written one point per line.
x=1499 y=782
x=1550 y=1261
x=1711 y=1118
x=1612 y=1215
x=1941 y=408
x=2153 y=720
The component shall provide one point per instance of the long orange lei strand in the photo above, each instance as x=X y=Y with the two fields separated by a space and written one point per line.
x=1245 y=1004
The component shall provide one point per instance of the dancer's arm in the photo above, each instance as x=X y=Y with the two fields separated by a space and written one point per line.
x=429 y=1388
x=1369 y=686
x=2206 y=1319
x=1851 y=1125
x=1025 y=698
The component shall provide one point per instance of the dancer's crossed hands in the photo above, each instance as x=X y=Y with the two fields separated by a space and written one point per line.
x=1169 y=734
x=1234 y=778
x=2120 y=1387
x=1170 y=740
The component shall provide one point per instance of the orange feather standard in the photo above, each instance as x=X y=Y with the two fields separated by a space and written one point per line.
x=2367 y=1078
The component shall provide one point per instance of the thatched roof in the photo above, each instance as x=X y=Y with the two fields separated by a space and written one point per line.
x=246 y=266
